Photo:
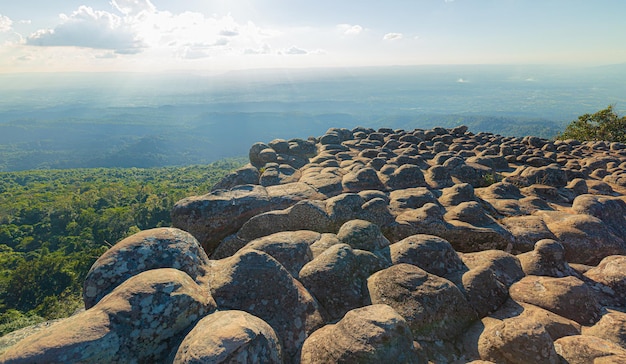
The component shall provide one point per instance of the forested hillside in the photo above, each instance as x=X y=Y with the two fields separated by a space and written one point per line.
x=55 y=223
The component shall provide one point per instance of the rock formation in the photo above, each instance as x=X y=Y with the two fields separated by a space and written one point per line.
x=372 y=246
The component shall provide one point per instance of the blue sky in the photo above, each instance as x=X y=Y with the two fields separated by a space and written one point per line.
x=221 y=35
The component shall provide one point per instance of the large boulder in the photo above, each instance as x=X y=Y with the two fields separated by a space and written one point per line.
x=149 y=249
x=372 y=334
x=430 y=253
x=568 y=296
x=585 y=238
x=433 y=307
x=582 y=349
x=214 y=216
x=230 y=337
x=141 y=320
x=292 y=249
x=240 y=282
x=338 y=278
x=547 y=259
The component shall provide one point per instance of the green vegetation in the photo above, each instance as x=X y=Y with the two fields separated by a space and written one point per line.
x=55 y=223
x=603 y=125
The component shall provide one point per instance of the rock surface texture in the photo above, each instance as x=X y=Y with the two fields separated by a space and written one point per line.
x=372 y=246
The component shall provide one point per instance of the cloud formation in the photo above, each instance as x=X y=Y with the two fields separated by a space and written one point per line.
x=90 y=28
x=348 y=29
x=133 y=7
x=293 y=50
x=6 y=24
x=393 y=36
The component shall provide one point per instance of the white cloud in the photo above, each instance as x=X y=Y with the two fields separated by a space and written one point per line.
x=293 y=50
x=348 y=29
x=133 y=7
x=393 y=36
x=6 y=24
x=90 y=28
x=265 y=49
x=229 y=33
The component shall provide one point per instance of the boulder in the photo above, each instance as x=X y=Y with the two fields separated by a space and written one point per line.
x=212 y=217
x=337 y=278
x=141 y=320
x=430 y=253
x=292 y=249
x=433 y=307
x=372 y=334
x=247 y=175
x=611 y=272
x=568 y=296
x=230 y=337
x=586 y=239
x=149 y=249
x=361 y=234
x=547 y=259
x=304 y=215
x=240 y=282
x=518 y=341
x=582 y=349
x=611 y=327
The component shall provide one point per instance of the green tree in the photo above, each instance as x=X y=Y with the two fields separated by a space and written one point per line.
x=603 y=125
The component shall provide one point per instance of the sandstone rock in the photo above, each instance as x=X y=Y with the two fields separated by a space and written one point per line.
x=290 y=248
x=474 y=229
x=304 y=215
x=583 y=349
x=361 y=234
x=438 y=177
x=457 y=194
x=526 y=230
x=507 y=267
x=611 y=327
x=406 y=176
x=149 y=249
x=410 y=198
x=372 y=334
x=567 y=296
x=427 y=219
x=611 y=272
x=212 y=217
x=139 y=321
x=484 y=292
x=242 y=176
x=430 y=253
x=363 y=179
x=433 y=306
x=337 y=278
x=547 y=259
x=517 y=341
x=612 y=211
x=326 y=241
x=586 y=239
x=230 y=337
x=241 y=283
x=551 y=175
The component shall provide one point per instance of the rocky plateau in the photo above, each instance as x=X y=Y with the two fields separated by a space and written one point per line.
x=371 y=246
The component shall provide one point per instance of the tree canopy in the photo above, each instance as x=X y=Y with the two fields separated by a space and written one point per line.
x=55 y=223
x=604 y=125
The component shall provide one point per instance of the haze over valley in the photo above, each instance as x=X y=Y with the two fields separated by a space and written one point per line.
x=70 y=120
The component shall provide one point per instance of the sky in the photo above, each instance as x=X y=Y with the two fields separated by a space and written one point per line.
x=223 y=35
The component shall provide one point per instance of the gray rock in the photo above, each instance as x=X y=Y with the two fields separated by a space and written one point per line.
x=433 y=307
x=230 y=337
x=149 y=249
x=372 y=334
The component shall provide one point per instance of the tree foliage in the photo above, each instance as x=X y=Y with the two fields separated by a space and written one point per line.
x=55 y=223
x=603 y=125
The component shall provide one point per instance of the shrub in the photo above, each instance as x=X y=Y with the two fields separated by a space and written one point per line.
x=603 y=125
